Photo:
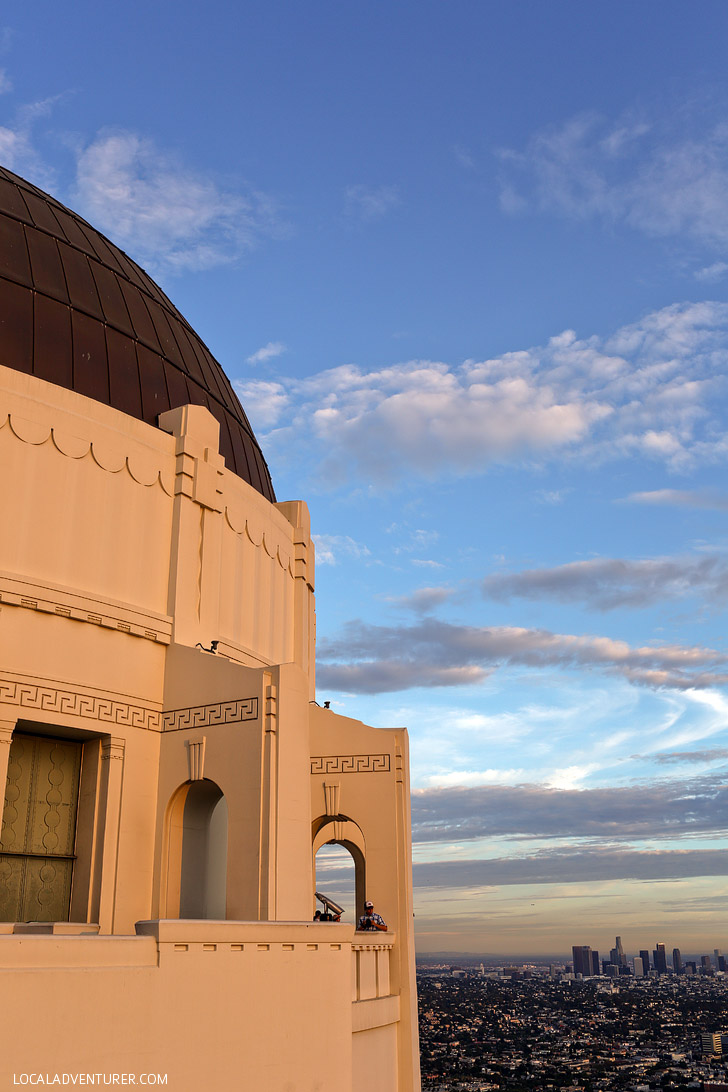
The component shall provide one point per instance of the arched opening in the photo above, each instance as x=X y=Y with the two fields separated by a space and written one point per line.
x=198 y=842
x=340 y=865
x=336 y=877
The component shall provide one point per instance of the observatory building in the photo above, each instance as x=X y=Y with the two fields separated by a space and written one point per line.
x=169 y=777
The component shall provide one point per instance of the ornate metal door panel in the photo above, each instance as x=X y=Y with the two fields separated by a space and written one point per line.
x=39 y=829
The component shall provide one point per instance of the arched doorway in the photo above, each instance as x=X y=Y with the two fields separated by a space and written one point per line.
x=198 y=848
x=339 y=859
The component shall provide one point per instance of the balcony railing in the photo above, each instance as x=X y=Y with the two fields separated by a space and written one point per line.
x=370 y=971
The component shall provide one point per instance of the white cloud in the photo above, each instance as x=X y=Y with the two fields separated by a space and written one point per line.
x=18 y=151
x=473 y=778
x=267 y=352
x=651 y=389
x=656 y=179
x=167 y=215
x=6 y=84
x=570 y=777
x=714 y=272
x=330 y=548
x=370 y=202
x=264 y=400
x=463 y=157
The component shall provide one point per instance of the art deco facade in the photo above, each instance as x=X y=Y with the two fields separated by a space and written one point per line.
x=169 y=777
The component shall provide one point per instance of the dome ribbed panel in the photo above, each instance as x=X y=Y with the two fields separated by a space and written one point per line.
x=76 y=311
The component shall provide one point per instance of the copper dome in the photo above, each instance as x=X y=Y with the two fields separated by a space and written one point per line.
x=76 y=311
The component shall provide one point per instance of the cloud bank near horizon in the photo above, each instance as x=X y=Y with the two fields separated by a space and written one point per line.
x=660 y=810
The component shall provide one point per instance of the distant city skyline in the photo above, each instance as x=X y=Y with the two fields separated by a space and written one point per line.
x=586 y=960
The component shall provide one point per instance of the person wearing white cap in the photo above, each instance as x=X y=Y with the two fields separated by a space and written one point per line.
x=370 y=920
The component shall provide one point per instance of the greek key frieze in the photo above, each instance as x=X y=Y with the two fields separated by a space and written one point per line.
x=49 y=699
x=206 y=716
x=328 y=764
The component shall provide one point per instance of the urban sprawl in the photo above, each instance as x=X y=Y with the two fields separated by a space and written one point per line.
x=636 y=1024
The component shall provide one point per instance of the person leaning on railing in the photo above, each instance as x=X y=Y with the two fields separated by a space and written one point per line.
x=370 y=920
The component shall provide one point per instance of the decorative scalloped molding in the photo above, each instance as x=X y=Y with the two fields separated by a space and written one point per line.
x=207 y=716
x=241 y=524
x=51 y=699
x=328 y=764
x=143 y=467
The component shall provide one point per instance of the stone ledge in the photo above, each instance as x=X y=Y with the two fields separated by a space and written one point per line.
x=375 y=1013
x=271 y=933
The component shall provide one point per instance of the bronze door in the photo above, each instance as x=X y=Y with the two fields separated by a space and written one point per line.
x=39 y=829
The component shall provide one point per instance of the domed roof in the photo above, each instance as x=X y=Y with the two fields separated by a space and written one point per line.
x=76 y=311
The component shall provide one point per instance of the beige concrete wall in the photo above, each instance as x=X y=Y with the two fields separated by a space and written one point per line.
x=375 y=1060
x=115 y=521
x=122 y=548
x=220 y=1006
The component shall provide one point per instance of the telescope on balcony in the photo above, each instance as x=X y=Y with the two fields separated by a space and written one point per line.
x=330 y=905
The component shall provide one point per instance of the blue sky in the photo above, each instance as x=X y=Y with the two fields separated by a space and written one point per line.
x=467 y=266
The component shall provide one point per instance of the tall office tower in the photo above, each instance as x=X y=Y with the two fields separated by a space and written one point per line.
x=582 y=959
x=713 y=1043
x=638 y=968
x=677 y=961
x=718 y=957
x=595 y=962
x=621 y=957
x=706 y=967
x=660 y=959
x=645 y=957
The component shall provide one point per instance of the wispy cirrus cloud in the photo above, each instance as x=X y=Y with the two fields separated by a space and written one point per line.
x=19 y=150
x=169 y=216
x=652 y=389
x=369 y=659
x=266 y=352
x=668 y=179
x=608 y=583
x=679 y=758
x=331 y=548
x=682 y=498
x=370 y=202
x=716 y=271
